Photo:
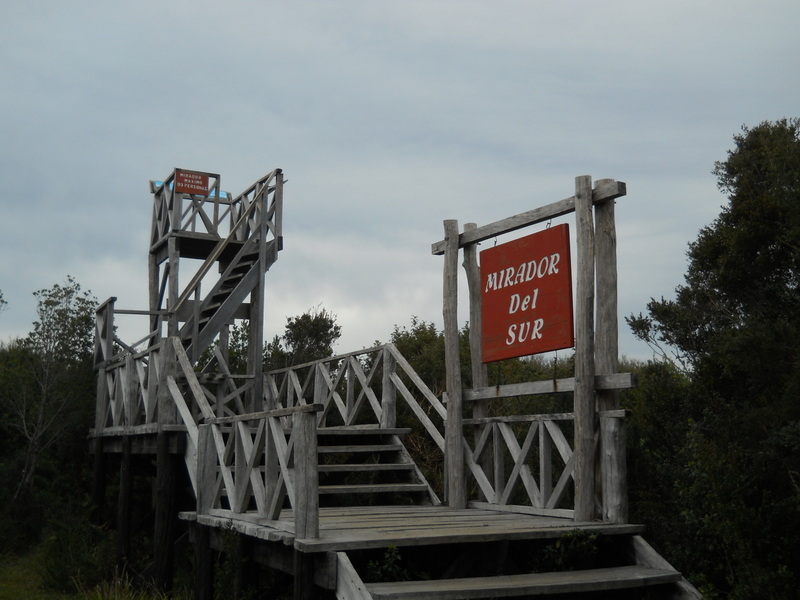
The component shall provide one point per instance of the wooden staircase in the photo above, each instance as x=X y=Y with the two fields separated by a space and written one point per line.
x=361 y=466
x=628 y=568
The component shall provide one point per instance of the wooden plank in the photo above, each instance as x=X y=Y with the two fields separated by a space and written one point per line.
x=454 y=451
x=418 y=411
x=348 y=582
x=388 y=414
x=365 y=448
x=611 y=381
x=306 y=500
x=644 y=555
x=584 y=352
x=531 y=584
x=435 y=535
x=348 y=468
x=375 y=488
x=279 y=412
x=526 y=510
x=602 y=193
x=191 y=378
x=361 y=430
x=417 y=381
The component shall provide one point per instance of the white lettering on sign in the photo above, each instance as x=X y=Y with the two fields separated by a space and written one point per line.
x=523 y=303
x=521 y=332
x=523 y=273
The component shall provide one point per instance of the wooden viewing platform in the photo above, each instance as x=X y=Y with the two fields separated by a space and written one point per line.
x=330 y=471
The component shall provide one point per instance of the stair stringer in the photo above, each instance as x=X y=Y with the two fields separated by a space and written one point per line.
x=416 y=472
x=349 y=585
x=644 y=554
x=649 y=570
x=233 y=299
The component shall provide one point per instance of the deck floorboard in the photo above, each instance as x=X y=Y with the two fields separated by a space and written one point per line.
x=352 y=528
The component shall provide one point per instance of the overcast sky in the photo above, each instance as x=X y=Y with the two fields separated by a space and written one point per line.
x=387 y=117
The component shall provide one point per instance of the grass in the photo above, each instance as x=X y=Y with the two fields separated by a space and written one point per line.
x=20 y=580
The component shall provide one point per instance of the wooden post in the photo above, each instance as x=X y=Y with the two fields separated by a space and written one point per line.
x=456 y=484
x=612 y=439
x=584 y=353
x=166 y=514
x=206 y=469
x=388 y=391
x=204 y=563
x=613 y=466
x=125 y=505
x=480 y=377
x=304 y=588
x=98 y=482
x=306 y=501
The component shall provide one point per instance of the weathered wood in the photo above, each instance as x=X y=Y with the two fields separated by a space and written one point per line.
x=278 y=412
x=306 y=500
x=206 y=469
x=166 y=515
x=388 y=390
x=304 y=588
x=125 y=505
x=454 y=451
x=480 y=377
x=348 y=582
x=613 y=478
x=204 y=563
x=608 y=191
x=613 y=469
x=532 y=584
x=615 y=381
x=643 y=554
x=380 y=526
x=98 y=484
x=584 y=353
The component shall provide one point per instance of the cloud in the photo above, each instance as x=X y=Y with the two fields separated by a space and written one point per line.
x=387 y=118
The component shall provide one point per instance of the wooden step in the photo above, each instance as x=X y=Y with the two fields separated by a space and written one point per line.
x=359 y=430
x=365 y=467
x=359 y=449
x=373 y=488
x=533 y=584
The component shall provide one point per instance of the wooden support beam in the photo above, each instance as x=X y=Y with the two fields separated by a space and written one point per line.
x=615 y=381
x=204 y=563
x=612 y=467
x=166 y=514
x=125 y=505
x=454 y=451
x=584 y=353
x=609 y=190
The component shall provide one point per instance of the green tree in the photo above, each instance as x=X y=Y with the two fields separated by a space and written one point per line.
x=734 y=327
x=48 y=375
x=307 y=337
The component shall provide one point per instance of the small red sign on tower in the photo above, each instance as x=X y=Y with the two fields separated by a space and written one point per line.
x=191 y=182
x=526 y=300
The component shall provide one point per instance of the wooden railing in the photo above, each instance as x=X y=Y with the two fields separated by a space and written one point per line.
x=246 y=464
x=530 y=462
x=359 y=388
x=521 y=462
x=217 y=214
x=537 y=450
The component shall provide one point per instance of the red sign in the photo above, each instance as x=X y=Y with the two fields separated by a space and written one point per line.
x=191 y=182
x=526 y=300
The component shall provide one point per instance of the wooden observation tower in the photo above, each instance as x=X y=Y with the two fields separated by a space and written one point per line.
x=332 y=469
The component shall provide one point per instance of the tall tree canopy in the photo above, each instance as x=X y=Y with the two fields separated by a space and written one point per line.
x=307 y=337
x=734 y=325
